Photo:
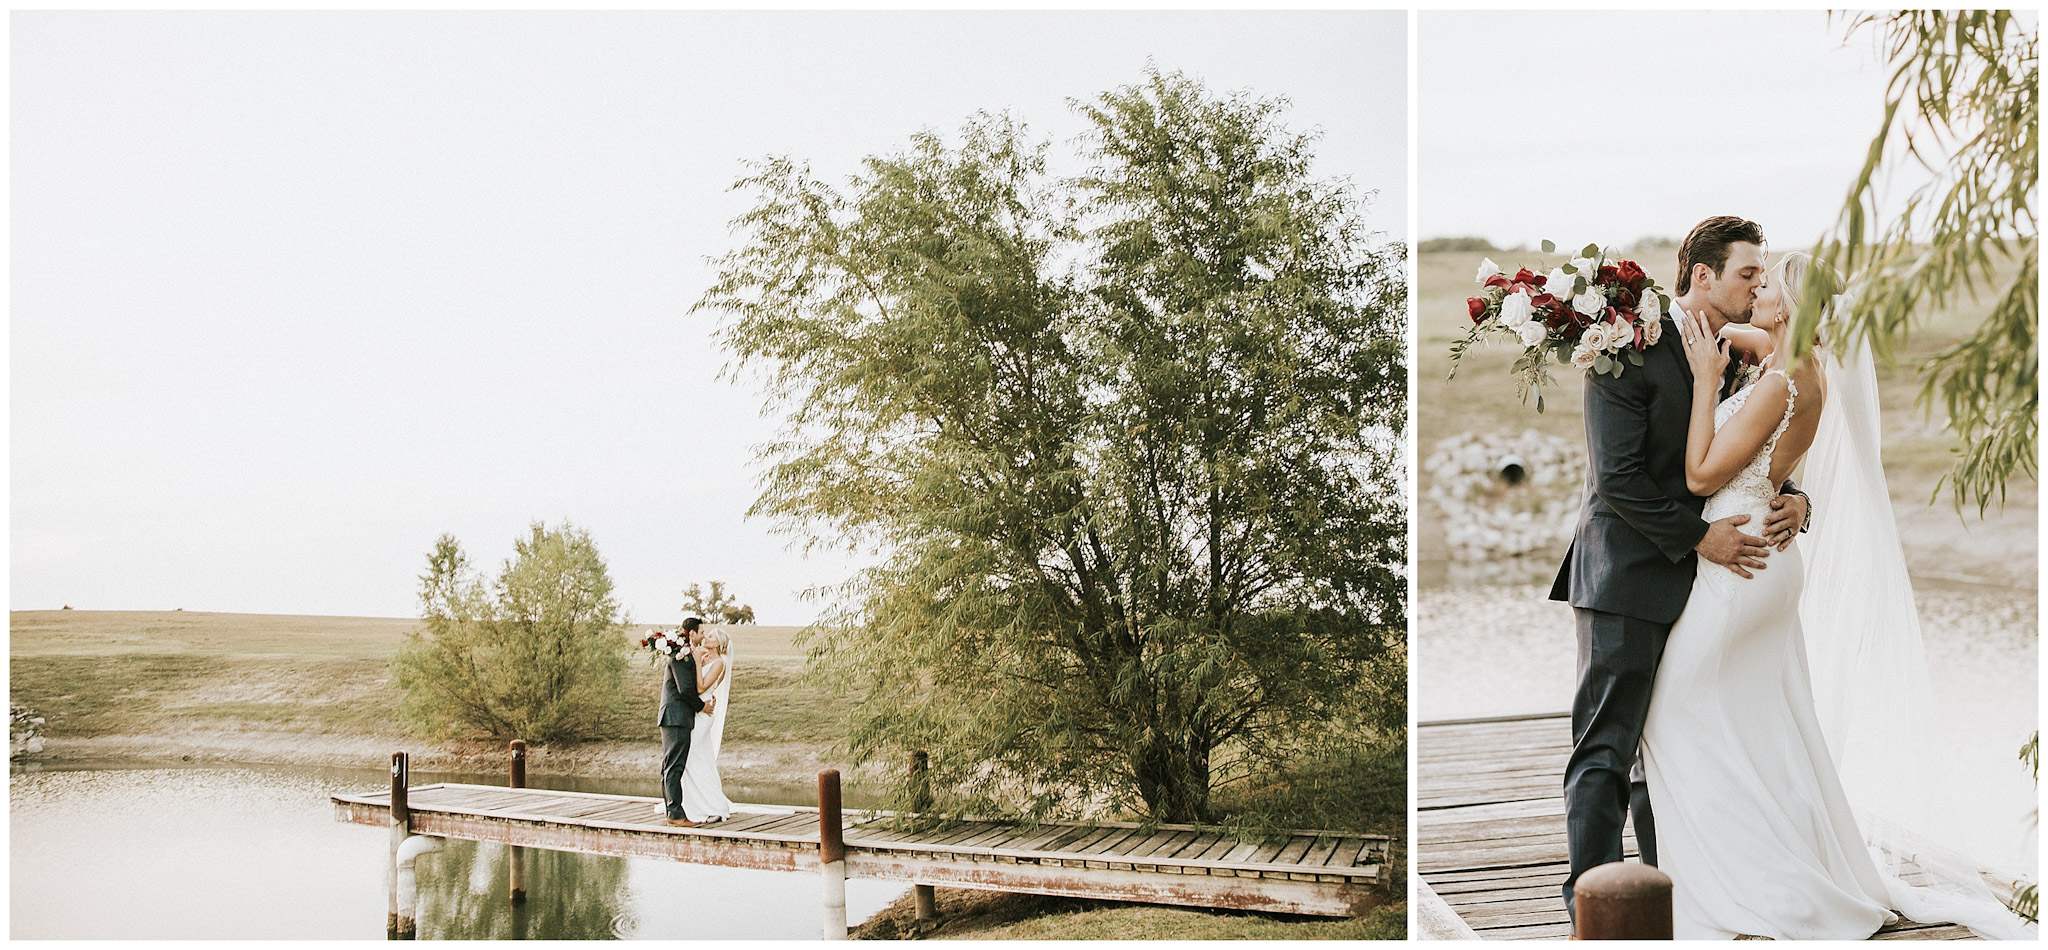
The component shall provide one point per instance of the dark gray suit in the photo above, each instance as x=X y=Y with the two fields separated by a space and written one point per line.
x=680 y=705
x=1628 y=575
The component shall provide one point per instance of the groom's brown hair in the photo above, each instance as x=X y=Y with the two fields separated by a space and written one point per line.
x=1708 y=244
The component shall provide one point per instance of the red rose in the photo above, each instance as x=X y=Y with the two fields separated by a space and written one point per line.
x=1632 y=275
x=1477 y=307
x=1607 y=274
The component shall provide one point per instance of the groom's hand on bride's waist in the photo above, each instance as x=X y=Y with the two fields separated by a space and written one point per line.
x=1786 y=520
x=1726 y=545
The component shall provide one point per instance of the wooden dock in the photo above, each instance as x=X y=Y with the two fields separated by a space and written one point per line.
x=1490 y=832
x=1303 y=872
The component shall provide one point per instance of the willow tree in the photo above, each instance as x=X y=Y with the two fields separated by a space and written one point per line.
x=1963 y=104
x=1125 y=446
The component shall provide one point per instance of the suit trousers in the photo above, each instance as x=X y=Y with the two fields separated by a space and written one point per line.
x=1618 y=658
x=675 y=752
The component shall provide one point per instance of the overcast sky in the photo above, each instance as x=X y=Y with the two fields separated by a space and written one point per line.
x=1639 y=124
x=293 y=294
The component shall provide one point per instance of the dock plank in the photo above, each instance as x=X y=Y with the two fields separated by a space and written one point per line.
x=1490 y=835
x=1168 y=863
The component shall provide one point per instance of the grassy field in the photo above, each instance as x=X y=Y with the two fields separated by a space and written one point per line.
x=1917 y=450
x=283 y=686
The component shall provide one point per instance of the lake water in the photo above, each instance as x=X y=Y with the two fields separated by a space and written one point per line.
x=1496 y=651
x=256 y=853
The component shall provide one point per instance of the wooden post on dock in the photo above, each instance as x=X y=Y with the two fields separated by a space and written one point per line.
x=401 y=822
x=1622 y=901
x=926 y=898
x=518 y=780
x=832 y=854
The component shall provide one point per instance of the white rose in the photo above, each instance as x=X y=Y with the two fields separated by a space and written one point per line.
x=1583 y=265
x=1583 y=356
x=1621 y=335
x=1596 y=338
x=1652 y=329
x=1559 y=283
x=1648 y=307
x=1590 y=303
x=1532 y=332
x=1514 y=310
x=1487 y=268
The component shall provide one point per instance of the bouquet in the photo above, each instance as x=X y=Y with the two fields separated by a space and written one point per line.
x=1594 y=313
x=672 y=644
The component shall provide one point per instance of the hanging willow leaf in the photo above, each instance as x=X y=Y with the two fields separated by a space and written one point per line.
x=1963 y=101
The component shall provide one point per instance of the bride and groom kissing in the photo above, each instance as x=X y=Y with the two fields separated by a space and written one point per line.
x=1695 y=708
x=694 y=685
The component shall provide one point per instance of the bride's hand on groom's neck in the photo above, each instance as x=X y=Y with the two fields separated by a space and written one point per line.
x=1726 y=545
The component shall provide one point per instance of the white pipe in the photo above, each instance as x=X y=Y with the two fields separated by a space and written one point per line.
x=407 y=887
x=834 y=874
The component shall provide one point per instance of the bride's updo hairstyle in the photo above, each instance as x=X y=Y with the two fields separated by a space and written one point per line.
x=722 y=640
x=1798 y=265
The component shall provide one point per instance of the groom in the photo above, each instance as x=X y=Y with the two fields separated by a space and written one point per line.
x=680 y=705
x=1630 y=567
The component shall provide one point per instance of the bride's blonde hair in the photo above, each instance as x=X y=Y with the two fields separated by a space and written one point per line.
x=722 y=640
x=1795 y=268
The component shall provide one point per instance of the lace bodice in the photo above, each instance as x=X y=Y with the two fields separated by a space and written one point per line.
x=1750 y=491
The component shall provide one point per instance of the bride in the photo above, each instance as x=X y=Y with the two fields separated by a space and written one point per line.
x=1753 y=824
x=704 y=798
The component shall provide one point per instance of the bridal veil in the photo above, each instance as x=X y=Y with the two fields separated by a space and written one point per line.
x=1870 y=682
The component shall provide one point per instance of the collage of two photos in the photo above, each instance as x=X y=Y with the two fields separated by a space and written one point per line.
x=1023 y=475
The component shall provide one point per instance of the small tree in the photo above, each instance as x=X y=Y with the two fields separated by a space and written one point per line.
x=715 y=605
x=537 y=655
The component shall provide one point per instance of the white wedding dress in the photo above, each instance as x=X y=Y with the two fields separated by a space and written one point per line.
x=1752 y=824
x=703 y=791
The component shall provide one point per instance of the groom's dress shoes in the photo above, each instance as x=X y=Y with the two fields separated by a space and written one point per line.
x=682 y=822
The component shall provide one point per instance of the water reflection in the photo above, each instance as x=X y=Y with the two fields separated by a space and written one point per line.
x=467 y=894
x=256 y=853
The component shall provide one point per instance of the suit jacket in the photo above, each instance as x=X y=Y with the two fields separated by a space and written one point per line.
x=680 y=703
x=1632 y=553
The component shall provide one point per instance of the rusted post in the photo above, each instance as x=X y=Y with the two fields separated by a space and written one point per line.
x=518 y=780
x=1622 y=901
x=921 y=801
x=832 y=854
x=401 y=821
